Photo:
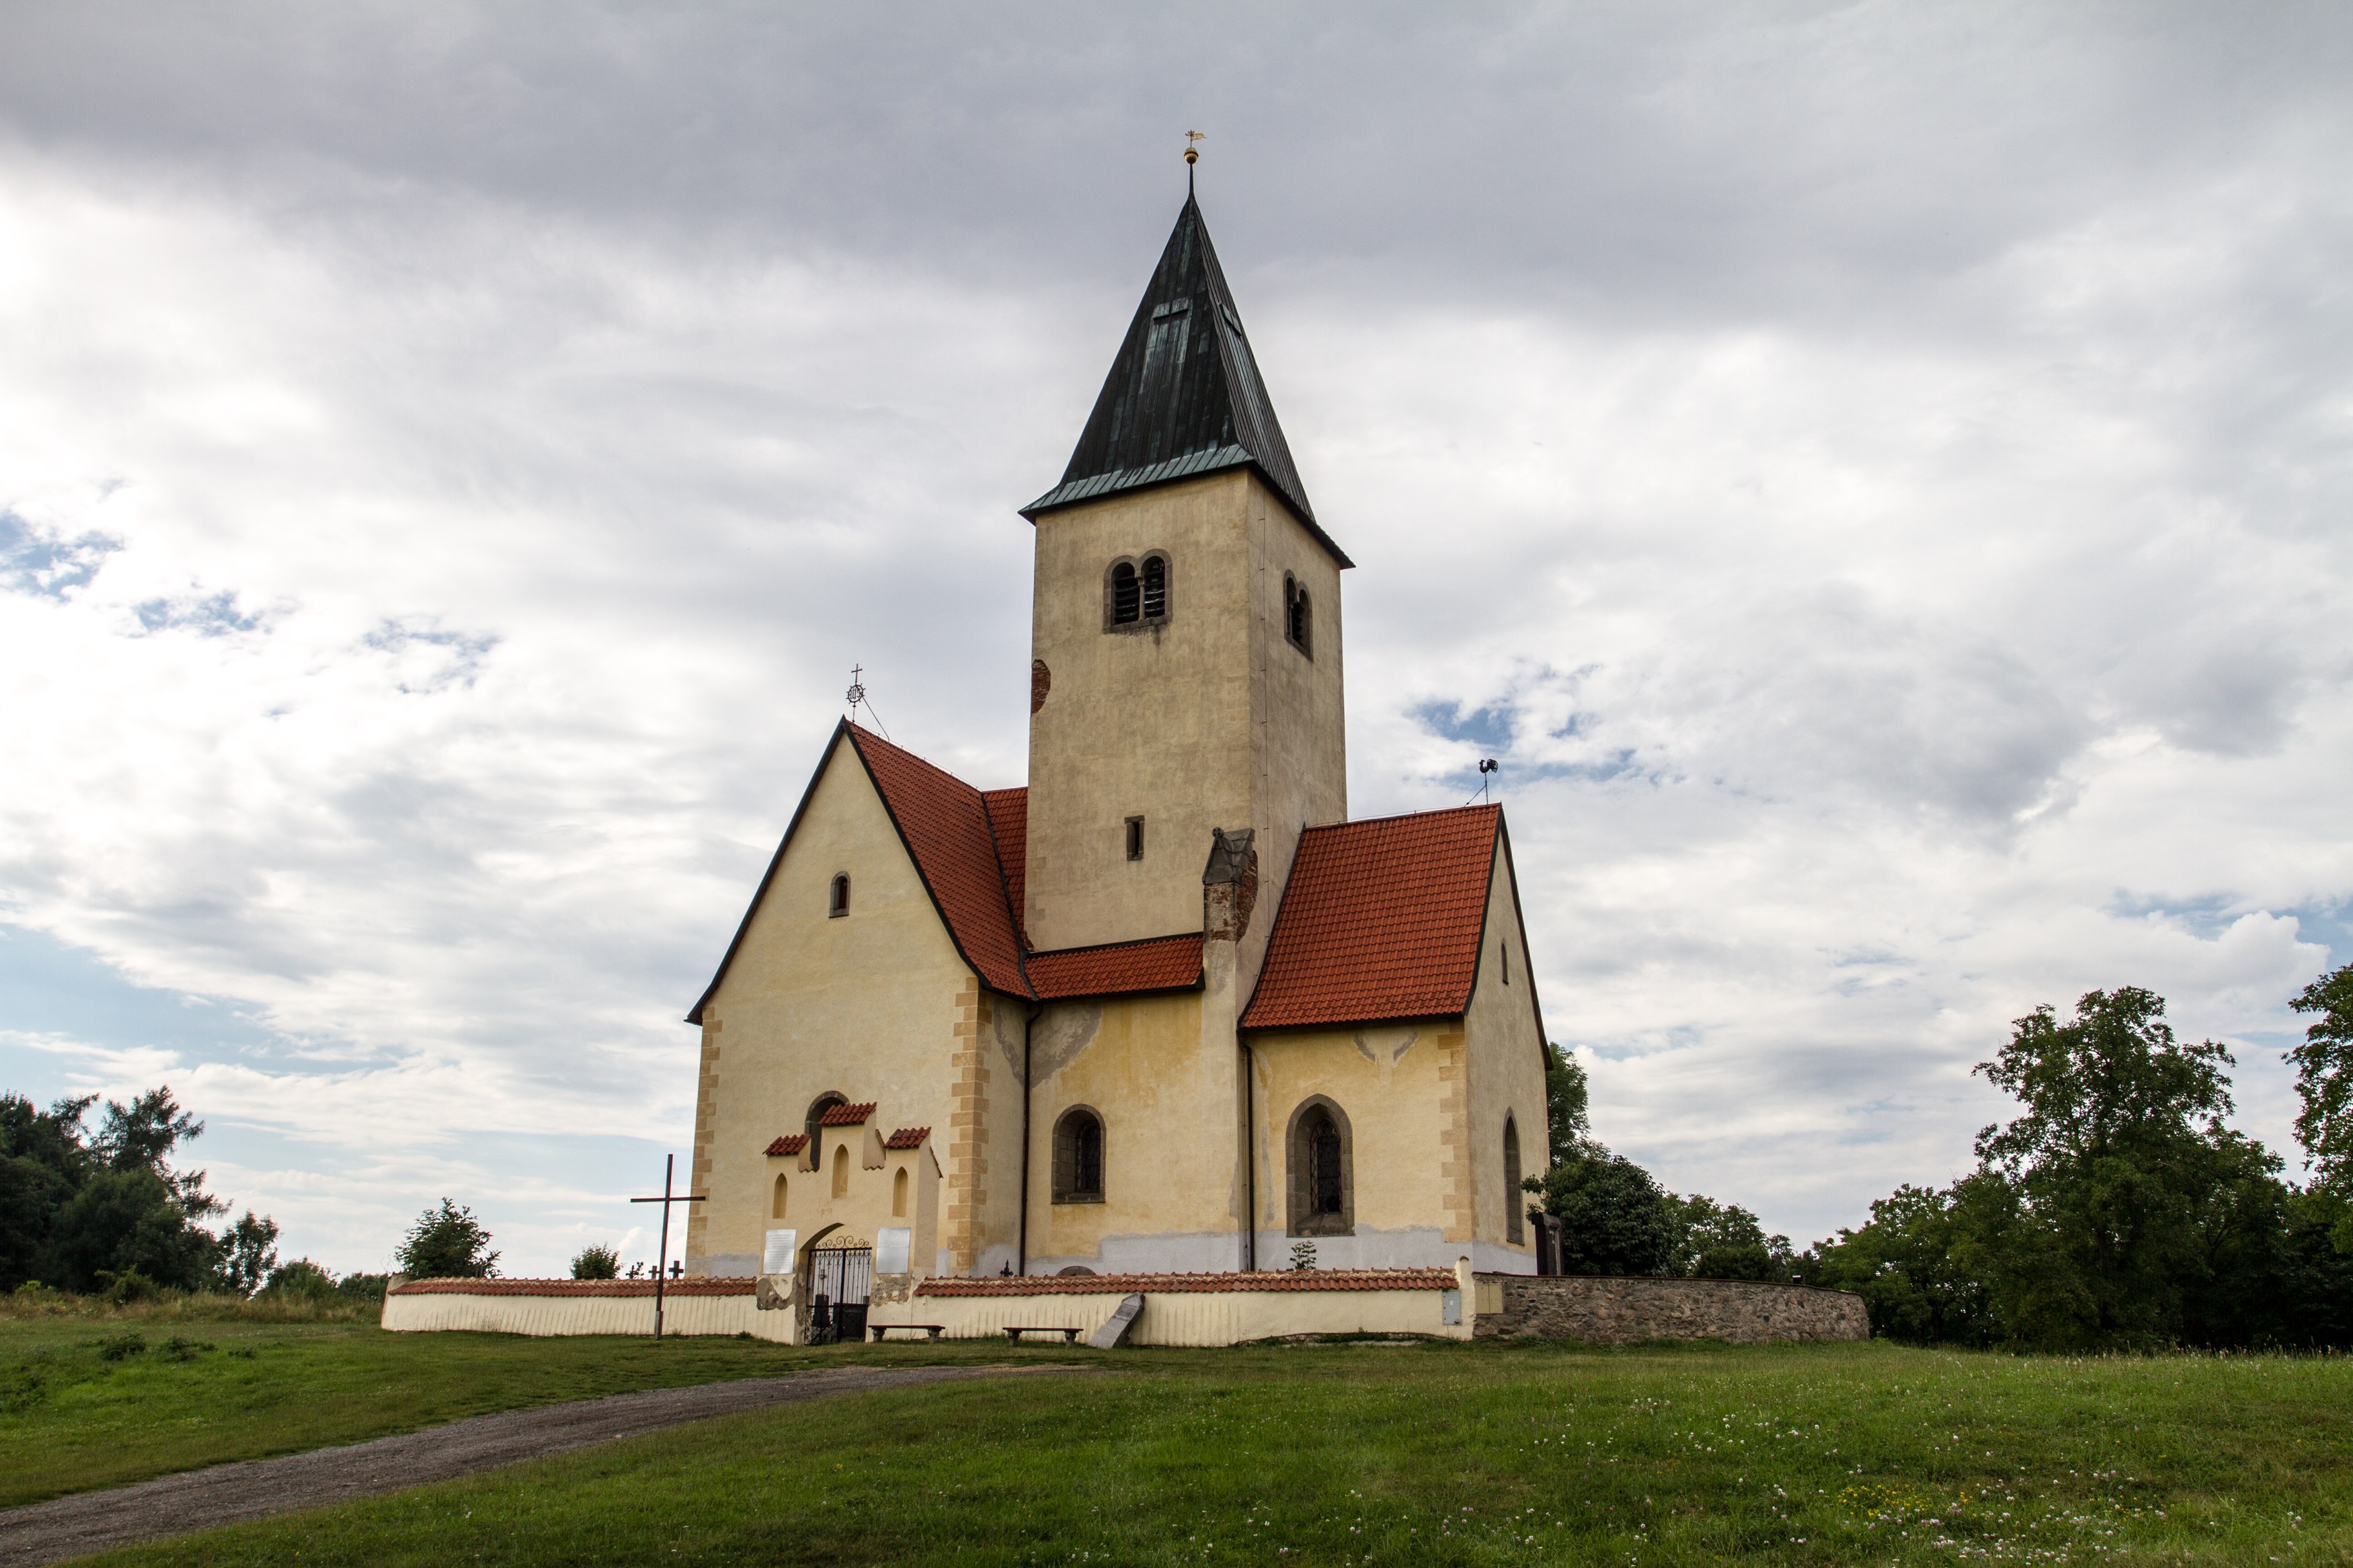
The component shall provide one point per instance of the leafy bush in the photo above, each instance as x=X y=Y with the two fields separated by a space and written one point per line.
x=122 y=1347
x=448 y=1243
x=302 y=1281
x=366 y=1288
x=596 y=1263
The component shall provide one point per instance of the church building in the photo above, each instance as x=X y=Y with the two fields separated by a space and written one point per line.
x=1167 y=1009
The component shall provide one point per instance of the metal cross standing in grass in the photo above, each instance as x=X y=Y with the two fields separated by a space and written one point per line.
x=662 y=1267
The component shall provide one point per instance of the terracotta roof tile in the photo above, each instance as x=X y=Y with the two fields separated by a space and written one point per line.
x=790 y=1144
x=1124 y=1284
x=907 y=1137
x=1381 y=920
x=1156 y=963
x=846 y=1115
x=1008 y=820
x=692 y=1285
x=947 y=827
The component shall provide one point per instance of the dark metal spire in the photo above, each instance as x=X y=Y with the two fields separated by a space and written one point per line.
x=1184 y=396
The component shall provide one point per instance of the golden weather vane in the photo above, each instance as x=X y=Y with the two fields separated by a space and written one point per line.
x=1192 y=157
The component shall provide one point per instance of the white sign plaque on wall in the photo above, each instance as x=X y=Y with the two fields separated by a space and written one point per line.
x=778 y=1256
x=891 y=1244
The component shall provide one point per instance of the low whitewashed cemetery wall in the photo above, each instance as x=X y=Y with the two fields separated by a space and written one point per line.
x=551 y=1307
x=1196 y=1309
x=1616 y=1309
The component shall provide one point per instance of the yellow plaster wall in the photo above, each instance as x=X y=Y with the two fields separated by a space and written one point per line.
x=1503 y=1045
x=1210 y=720
x=1166 y=1082
x=813 y=1211
x=868 y=1005
x=1389 y=1080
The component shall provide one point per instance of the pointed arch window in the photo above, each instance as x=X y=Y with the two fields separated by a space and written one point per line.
x=1079 y=1156
x=1320 y=1171
x=1515 y=1201
x=1298 y=616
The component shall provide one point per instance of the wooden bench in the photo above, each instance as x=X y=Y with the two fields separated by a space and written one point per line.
x=1070 y=1336
x=931 y=1330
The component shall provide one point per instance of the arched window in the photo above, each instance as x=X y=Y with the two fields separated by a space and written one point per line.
x=777 y=1209
x=839 y=904
x=899 y=1194
x=1515 y=1201
x=1126 y=596
x=1298 y=619
x=841 y=1169
x=1320 y=1177
x=1079 y=1157
x=1156 y=587
x=817 y=1108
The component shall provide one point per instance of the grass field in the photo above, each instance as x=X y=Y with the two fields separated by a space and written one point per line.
x=199 y=1393
x=1443 y=1454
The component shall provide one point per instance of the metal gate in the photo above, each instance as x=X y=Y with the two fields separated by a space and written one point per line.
x=841 y=1278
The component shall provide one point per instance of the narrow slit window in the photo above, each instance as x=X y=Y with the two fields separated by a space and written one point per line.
x=1156 y=589
x=1136 y=839
x=1506 y=949
x=1126 y=596
x=838 y=905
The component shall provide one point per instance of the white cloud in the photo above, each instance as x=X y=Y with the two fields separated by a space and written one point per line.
x=1877 y=476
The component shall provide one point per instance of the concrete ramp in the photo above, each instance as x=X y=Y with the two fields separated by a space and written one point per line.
x=1115 y=1327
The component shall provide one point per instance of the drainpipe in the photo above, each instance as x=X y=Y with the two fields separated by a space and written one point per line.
x=1022 y=1241
x=1250 y=1160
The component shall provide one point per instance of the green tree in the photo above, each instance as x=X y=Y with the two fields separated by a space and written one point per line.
x=596 y=1263
x=302 y=1281
x=42 y=1163
x=1722 y=1241
x=1613 y=1217
x=2086 y=1218
x=2324 y=1080
x=1903 y=1266
x=1567 y=1101
x=448 y=1243
x=249 y=1254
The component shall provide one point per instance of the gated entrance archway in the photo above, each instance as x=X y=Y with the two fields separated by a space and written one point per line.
x=841 y=1278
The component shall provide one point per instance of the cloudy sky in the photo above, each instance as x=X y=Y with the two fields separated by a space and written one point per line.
x=1877 y=475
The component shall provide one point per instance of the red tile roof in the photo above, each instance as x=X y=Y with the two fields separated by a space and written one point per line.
x=1156 y=963
x=946 y=828
x=692 y=1285
x=1123 y=1284
x=907 y=1137
x=1381 y=920
x=790 y=1144
x=1009 y=819
x=846 y=1115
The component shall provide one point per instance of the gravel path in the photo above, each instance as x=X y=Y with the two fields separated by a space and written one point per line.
x=226 y=1494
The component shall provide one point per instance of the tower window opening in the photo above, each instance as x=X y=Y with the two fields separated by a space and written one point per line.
x=1136 y=839
x=1079 y=1157
x=1515 y=1201
x=837 y=904
x=1126 y=596
x=1298 y=617
x=1155 y=588
x=1505 y=948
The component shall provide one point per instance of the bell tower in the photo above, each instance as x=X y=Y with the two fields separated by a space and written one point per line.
x=1185 y=633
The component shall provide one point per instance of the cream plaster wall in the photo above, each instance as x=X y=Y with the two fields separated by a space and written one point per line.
x=548 y=1316
x=813 y=1211
x=1389 y=1080
x=868 y=1005
x=1504 y=1049
x=1165 y=1077
x=1210 y=721
x=1195 y=1317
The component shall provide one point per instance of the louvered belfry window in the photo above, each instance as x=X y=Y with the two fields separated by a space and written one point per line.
x=1126 y=596
x=1155 y=588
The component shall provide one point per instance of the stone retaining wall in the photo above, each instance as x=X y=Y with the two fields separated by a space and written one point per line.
x=1616 y=1309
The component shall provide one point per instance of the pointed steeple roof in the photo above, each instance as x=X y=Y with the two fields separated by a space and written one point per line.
x=1184 y=396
